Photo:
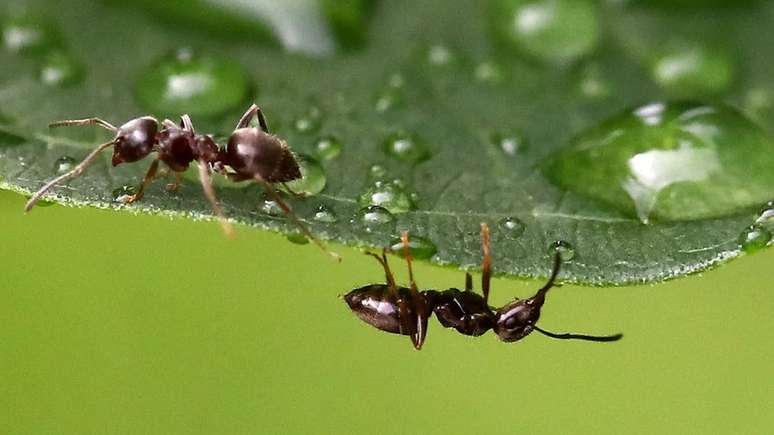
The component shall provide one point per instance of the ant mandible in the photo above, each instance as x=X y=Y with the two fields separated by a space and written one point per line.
x=405 y=311
x=251 y=154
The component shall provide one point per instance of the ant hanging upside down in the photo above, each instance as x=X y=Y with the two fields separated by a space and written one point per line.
x=405 y=311
x=250 y=154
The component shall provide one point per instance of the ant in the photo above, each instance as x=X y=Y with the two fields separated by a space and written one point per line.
x=250 y=154
x=405 y=311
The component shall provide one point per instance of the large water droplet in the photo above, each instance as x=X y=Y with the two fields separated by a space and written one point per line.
x=328 y=147
x=122 y=194
x=419 y=247
x=200 y=86
x=552 y=30
x=693 y=70
x=390 y=195
x=565 y=249
x=512 y=228
x=754 y=238
x=677 y=161
x=313 y=177
x=28 y=35
x=325 y=215
x=375 y=218
x=64 y=164
x=60 y=69
x=406 y=147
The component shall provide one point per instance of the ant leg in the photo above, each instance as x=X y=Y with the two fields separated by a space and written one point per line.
x=205 y=177
x=468 y=282
x=407 y=254
x=598 y=338
x=177 y=183
x=272 y=192
x=254 y=110
x=88 y=121
x=186 y=123
x=486 y=264
x=149 y=177
x=76 y=171
x=421 y=311
x=387 y=272
x=168 y=123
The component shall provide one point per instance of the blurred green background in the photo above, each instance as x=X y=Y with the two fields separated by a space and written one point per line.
x=113 y=323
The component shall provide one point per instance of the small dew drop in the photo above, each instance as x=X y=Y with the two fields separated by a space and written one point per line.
x=489 y=72
x=312 y=179
x=439 y=55
x=60 y=69
x=328 y=147
x=271 y=208
x=592 y=84
x=27 y=35
x=509 y=143
x=64 y=164
x=200 y=86
x=377 y=172
x=754 y=238
x=122 y=194
x=297 y=238
x=512 y=227
x=374 y=218
x=325 y=215
x=565 y=249
x=419 y=247
x=391 y=195
x=310 y=121
x=406 y=147
x=693 y=70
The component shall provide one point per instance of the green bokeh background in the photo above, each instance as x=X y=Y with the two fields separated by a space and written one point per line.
x=114 y=323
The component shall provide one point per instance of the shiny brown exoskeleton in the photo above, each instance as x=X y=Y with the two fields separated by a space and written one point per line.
x=406 y=311
x=252 y=153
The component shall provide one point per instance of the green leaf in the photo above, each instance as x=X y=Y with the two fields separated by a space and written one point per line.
x=443 y=116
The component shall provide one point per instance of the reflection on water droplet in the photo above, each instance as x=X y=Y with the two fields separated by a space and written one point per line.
x=122 y=194
x=489 y=72
x=270 y=208
x=754 y=238
x=406 y=147
x=375 y=218
x=679 y=161
x=419 y=247
x=390 y=195
x=509 y=143
x=325 y=215
x=512 y=227
x=310 y=121
x=60 y=69
x=64 y=164
x=552 y=30
x=313 y=177
x=766 y=216
x=27 y=35
x=297 y=238
x=377 y=172
x=693 y=70
x=200 y=86
x=565 y=249
x=328 y=147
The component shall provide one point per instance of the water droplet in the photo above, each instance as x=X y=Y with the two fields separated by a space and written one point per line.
x=390 y=195
x=27 y=35
x=325 y=215
x=310 y=121
x=592 y=84
x=512 y=227
x=297 y=238
x=328 y=147
x=489 y=72
x=509 y=143
x=388 y=99
x=565 y=249
x=60 y=69
x=766 y=216
x=406 y=147
x=374 y=218
x=313 y=177
x=200 y=86
x=64 y=164
x=270 y=208
x=419 y=247
x=552 y=30
x=439 y=55
x=675 y=162
x=693 y=70
x=122 y=194
x=754 y=238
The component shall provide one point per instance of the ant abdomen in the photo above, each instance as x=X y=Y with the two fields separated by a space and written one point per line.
x=465 y=311
x=135 y=140
x=383 y=307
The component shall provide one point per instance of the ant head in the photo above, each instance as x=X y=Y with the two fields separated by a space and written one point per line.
x=517 y=319
x=134 y=140
x=252 y=151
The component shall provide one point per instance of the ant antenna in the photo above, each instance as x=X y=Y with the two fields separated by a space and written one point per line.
x=205 y=177
x=254 y=110
x=541 y=294
x=597 y=338
x=289 y=213
x=76 y=171
x=187 y=124
x=468 y=282
x=486 y=264
x=407 y=253
x=383 y=261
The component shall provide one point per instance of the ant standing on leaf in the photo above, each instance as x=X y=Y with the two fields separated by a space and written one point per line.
x=405 y=311
x=250 y=154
